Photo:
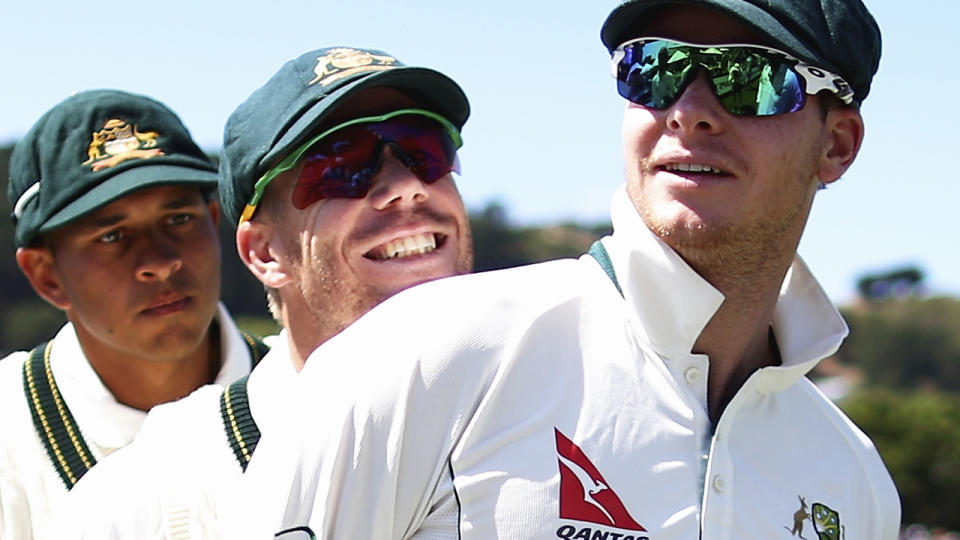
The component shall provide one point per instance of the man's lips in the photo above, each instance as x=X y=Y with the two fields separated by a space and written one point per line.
x=167 y=306
x=407 y=246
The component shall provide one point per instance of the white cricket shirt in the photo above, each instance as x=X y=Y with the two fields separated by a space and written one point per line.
x=179 y=467
x=541 y=403
x=31 y=491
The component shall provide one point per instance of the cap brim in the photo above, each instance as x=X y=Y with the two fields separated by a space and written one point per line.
x=617 y=28
x=127 y=182
x=438 y=93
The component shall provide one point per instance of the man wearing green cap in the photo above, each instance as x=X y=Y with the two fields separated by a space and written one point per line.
x=114 y=227
x=653 y=389
x=338 y=174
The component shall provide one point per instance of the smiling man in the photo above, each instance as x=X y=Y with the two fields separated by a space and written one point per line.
x=338 y=172
x=374 y=143
x=653 y=389
x=114 y=227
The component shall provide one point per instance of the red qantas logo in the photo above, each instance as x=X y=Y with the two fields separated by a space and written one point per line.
x=584 y=494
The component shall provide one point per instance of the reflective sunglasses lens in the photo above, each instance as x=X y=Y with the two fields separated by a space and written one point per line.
x=747 y=81
x=338 y=166
x=343 y=164
x=422 y=144
x=755 y=84
x=648 y=76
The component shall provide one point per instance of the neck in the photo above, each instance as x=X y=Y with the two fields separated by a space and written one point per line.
x=142 y=383
x=739 y=339
x=305 y=331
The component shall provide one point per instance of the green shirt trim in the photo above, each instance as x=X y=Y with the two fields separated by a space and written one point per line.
x=598 y=252
x=238 y=423
x=67 y=449
x=59 y=432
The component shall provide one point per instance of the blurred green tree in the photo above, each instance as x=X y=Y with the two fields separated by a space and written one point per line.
x=912 y=343
x=918 y=435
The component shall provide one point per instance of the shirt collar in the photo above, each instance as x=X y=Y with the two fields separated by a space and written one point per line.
x=234 y=350
x=271 y=380
x=673 y=303
x=105 y=422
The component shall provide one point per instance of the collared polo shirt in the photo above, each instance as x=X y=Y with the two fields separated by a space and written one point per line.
x=31 y=491
x=179 y=467
x=540 y=402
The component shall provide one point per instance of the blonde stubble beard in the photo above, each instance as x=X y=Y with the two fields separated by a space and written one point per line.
x=732 y=256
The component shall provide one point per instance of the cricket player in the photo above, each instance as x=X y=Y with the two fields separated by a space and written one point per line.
x=338 y=172
x=653 y=389
x=115 y=226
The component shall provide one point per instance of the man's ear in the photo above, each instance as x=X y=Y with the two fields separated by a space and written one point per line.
x=257 y=245
x=843 y=129
x=38 y=266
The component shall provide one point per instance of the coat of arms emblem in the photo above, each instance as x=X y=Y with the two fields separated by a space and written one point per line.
x=119 y=141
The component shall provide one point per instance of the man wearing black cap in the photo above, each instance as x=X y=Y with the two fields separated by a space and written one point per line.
x=113 y=227
x=338 y=174
x=652 y=389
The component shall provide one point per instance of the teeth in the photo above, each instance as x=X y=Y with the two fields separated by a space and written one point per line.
x=693 y=167
x=417 y=244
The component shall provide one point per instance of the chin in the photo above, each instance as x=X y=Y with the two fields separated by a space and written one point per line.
x=178 y=341
x=412 y=281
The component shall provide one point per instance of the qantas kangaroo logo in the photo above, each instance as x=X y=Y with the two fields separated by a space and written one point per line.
x=584 y=494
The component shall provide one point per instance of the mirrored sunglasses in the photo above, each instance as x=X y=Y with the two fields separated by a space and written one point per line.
x=748 y=80
x=342 y=161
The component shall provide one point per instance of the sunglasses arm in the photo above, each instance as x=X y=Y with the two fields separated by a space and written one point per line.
x=818 y=79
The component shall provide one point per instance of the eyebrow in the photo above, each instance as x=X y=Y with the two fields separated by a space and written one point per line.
x=177 y=202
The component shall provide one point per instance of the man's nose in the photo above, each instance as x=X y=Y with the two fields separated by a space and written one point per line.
x=157 y=259
x=697 y=110
x=395 y=184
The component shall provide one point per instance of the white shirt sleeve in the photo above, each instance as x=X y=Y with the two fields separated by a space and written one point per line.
x=389 y=404
x=14 y=510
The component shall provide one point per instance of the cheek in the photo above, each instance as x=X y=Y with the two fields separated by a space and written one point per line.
x=325 y=226
x=206 y=248
x=639 y=133
x=792 y=139
x=96 y=288
x=446 y=198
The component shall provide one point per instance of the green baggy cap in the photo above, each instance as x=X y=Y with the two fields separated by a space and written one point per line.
x=838 y=35
x=93 y=148
x=286 y=111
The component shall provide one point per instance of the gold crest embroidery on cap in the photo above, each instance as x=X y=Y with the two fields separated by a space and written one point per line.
x=343 y=62
x=117 y=142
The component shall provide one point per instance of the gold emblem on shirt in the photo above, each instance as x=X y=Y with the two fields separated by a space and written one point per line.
x=826 y=522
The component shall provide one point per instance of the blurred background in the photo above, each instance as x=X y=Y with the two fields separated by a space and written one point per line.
x=542 y=158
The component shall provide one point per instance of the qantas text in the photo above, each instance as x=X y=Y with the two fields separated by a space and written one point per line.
x=569 y=532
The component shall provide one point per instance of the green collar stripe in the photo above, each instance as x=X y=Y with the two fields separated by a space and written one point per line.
x=61 y=436
x=598 y=252
x=238 y=424
x=52 y=419
x=258 y=349
x=242 y=431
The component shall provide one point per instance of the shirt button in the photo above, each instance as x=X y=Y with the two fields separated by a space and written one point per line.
x=719 y=484
x=692 y=375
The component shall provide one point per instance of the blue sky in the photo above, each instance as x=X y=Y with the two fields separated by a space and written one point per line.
x=544 y=135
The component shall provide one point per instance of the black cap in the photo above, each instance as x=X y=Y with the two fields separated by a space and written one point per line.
x=282 y=114
x=838 y=35
x=93 y=148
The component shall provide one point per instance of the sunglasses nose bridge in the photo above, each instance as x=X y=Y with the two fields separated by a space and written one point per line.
x=697 y=107
x=394 y=182
x=694 y=74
